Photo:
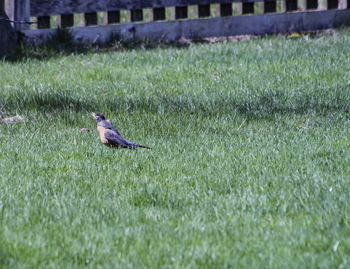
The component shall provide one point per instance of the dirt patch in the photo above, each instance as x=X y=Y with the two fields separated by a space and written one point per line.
x=84 y=130
x=5 y=117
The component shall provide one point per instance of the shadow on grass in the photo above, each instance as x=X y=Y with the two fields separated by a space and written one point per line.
x=262 y=106
x=62 y=43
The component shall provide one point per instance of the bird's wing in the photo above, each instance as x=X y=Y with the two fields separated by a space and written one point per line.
x=107 y=125
x=116 y=139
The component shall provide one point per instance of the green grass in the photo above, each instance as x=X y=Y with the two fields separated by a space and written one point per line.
x=249 y=167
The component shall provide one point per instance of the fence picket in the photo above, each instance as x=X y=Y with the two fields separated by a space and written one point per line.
x=341 y=4
x=283 y=6
x=239 y=7
x=261 y=7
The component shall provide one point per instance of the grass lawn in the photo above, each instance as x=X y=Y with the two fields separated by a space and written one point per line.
x=250 y=165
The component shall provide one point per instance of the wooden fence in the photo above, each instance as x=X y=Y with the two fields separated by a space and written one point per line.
x=92 y=21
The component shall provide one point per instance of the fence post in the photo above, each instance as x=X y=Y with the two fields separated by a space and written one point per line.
x=9 y=8
x=8 y=37
x=18 y=10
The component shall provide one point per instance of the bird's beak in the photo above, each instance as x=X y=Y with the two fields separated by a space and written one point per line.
x=93 y=114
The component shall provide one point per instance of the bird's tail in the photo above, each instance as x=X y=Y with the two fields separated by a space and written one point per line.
x=142 y=146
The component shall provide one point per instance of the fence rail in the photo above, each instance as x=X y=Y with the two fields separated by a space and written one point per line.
x=187 y=18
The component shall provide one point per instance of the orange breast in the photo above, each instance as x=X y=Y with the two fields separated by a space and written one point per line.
x=101 y=131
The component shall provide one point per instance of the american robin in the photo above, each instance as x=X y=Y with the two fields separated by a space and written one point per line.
x=110 y=136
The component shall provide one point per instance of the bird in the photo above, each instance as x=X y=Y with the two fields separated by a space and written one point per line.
x=110 y=136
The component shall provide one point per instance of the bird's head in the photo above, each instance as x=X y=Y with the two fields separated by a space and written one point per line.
x=98 y=116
